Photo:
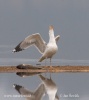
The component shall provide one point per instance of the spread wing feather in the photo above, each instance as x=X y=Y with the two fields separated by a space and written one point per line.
x=22 y=90
x=34 y=39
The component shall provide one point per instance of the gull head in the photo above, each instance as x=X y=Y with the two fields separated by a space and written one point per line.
x=51 y=27
x=51 y=30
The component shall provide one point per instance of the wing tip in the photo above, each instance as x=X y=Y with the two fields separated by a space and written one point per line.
x=17 y=87
x=14 y=85
x=14 y=50
x=58 y=35
x=17 y=48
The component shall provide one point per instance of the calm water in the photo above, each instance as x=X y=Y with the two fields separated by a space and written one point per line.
x=70 y=86
x=74 y=84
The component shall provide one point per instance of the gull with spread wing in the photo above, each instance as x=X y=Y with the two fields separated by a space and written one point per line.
x=47 y=50
x=29 y=95
x=50 y=88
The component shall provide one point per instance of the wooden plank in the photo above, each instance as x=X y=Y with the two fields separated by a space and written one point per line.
x=42 y=69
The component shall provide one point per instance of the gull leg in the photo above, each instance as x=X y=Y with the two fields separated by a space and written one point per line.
x=50 y=64
x=45 y=66
x=50 y=67
x=45 y=62
x=50 y=75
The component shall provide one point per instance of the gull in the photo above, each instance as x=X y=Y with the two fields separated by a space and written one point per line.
x=27 y=66
x=50 y=88
x=25 y=74
x=37 y=95
x=47 y=50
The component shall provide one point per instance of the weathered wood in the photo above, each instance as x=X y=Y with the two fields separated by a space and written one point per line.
x=42 y=69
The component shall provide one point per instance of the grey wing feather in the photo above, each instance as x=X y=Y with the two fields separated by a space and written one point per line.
x=34 y=39
x=22 y=90
x=40 y=91
x=56 y=97
x=57 y=38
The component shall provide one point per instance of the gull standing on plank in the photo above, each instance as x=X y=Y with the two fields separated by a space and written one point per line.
x=37 y=95
x=47 y=50
x=50 y=88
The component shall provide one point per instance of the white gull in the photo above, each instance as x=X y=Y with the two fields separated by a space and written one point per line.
x=50 y=88
x=29 y=95
x=47 y=50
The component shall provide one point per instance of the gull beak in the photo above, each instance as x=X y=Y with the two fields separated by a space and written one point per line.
x=51 y=27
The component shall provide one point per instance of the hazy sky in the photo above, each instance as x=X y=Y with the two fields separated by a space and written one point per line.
x=70 y=18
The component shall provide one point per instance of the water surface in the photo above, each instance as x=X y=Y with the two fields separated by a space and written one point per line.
x=69 y=85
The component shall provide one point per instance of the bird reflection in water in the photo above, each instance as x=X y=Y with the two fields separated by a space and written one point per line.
x=25 y=74
x=29 y=95
x=47 y=86
x=50 y=87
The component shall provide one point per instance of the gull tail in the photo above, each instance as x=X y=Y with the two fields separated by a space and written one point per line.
x=41 y=59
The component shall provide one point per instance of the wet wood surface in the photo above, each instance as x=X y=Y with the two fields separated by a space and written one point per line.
x=42 y=69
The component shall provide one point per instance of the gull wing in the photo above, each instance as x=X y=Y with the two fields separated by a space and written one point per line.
x=48 y=82
x=34 y=39
x=57 y=38
x=22 y=90
x=40 y=91
x=56 y=97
